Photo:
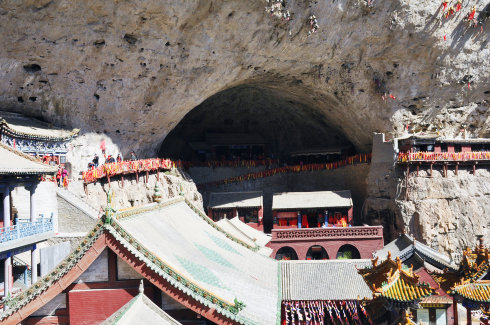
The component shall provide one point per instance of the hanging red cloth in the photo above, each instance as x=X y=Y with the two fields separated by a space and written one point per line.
x=444 y=5
x=458 y=6
x=283 y=222
x=304 y=221
x=471 y=15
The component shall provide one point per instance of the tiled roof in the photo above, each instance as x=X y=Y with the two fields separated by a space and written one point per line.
x=404 y=291
x=14 y=162
x=475 y=264
x=478 y=291
x=140 y=310
x=247 y=234
x=406 y=247
x=200 y=254
x=184 y=247
x=235 y=200
x=26 y=127
x=390 y=281
x=305 y=200
x=324 y=280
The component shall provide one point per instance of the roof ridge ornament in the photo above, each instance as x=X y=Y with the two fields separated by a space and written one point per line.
x=141 y=287
x=109 y=209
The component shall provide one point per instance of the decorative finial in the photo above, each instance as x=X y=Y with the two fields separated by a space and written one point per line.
x=157 y=195
x=389 y=255
x=142 y=287
x=398 y=263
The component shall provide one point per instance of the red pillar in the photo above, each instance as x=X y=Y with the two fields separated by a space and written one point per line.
x=468 y=316
x=455 y=312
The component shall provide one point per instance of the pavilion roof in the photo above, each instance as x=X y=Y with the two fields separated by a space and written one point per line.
x=306 y=200
x=226 y=200
x=140 y=310
x=14 y=162
x=22 y=126
x=478 y=291
x=475 y=264
x=391 y=281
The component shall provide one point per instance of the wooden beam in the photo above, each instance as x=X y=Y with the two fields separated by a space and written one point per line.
x=406 y=182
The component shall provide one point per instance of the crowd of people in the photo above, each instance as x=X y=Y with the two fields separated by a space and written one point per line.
x=110 y=159
x=62 y=177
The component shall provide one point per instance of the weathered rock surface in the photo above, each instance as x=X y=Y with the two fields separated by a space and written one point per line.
x=444 y=212
x=133 y=69
x=137 y=193
x=129 y=71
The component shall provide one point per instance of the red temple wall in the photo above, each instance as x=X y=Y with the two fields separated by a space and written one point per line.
x=366 y=247
x=94 y=306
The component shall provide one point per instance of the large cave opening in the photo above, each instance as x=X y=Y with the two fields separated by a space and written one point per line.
x=250 y=117
x=251 y=122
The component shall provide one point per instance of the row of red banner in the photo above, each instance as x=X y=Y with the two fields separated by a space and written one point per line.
x=126 y=167
x=360 y=158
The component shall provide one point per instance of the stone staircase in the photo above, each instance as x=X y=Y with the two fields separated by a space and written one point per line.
x=78 y=202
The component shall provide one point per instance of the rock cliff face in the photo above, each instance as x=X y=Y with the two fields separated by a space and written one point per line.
x=131 y=70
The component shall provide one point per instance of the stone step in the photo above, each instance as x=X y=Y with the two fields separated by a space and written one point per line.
x=78 y=202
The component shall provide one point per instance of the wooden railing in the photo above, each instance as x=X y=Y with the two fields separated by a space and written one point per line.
x=327 y=233
x=424 y=156
x=126 y=167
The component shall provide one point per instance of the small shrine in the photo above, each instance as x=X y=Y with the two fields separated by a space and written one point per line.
x=35 y=137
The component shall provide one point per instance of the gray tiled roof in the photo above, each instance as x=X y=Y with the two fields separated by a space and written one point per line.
x=324 y=280
x=204 y=255
x=140 y=310
x=235 y=200
x=404 y=247
x=15 y=162
x=304 y=200
x=28 y=126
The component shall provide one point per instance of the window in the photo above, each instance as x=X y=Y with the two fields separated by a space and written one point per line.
x=249 y=214
x=423 y=316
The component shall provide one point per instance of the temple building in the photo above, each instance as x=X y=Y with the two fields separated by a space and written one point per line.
x=34 y=137
x=193 y=271
x=169 y=263
x=19 y=234
x=470 y=283
x=319 y=225
x=435 y=309
x=395 y=289
x=247 y=206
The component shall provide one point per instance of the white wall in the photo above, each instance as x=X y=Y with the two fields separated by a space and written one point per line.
x=44 y=198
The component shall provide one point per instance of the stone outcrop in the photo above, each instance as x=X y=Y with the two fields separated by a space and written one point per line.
x=137 y=193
